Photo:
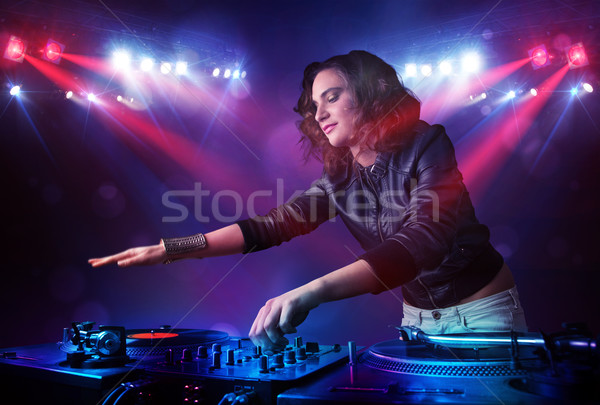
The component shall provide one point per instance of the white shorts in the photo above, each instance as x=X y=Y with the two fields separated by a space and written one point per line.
x=500 y=312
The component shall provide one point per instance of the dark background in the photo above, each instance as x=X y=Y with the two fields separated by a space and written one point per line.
x=77 y=185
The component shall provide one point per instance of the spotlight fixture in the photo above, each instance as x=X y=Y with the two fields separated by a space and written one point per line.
x=68 y=94
x=577 y=56
x=539 y=56
x=587 y=87
x=216 y=72
x=236 y=74
x=426 y=70
x=121 y=60
x=511 y=94
x=410 y=70
x=53 y=51
x=15 y=49
x=91 y=97
x=533 y=91
x=243 y=74
x=181 y=68
x=445 y=67
x=165 y=68
x=471 y=63
x=227 y=73
x=146 y=64
x=15 y=90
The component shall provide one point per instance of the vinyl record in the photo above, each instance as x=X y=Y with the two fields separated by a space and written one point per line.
x=416 y=358
x=154 y=342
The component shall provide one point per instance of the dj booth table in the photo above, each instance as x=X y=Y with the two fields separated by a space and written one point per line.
x=112 y=365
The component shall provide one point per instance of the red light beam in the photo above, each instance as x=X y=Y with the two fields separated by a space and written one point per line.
x=454 y=95
x=214 y=170
x=61 y=77
x=485 y=159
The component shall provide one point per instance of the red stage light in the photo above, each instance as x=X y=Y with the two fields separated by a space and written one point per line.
x=539 y=56
x=576 y=56
x=15 y=49
x=53 y=51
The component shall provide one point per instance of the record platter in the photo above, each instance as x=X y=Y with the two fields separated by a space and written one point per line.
x=112 y=365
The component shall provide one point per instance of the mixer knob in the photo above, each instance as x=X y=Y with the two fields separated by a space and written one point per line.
x=186 y=355
x=202 y=352
x=278 y=361
x=257 y=352
x=301 y=353
x=216 y=348
x=263 y=364
x=290 y=357
x=169 y=356
x=298 y=342
x=216 y=360
x=230 y=357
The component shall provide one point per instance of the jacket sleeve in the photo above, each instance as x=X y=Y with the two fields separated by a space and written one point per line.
x=428 y=233
x=298 y=217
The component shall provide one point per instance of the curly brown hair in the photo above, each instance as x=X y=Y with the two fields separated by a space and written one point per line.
x=386 y=111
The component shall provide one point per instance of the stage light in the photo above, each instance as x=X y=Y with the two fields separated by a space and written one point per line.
x=180 y=68
x=471 y=63
x=410 y=70
x=577 y=56
x=483 y=95
x=68 y=94
x=119 y=98
x=91 y=97
x=147 y=64
x=539 y=56
x=587 y=87
x=574 y=91
x=15 y=90
x=165 y=68
x=15 y=49
x=121 y=60
x=236 y=74
x=533 y=92
x=53 y=51
x=511 y=94
x=227 y=73
x=243 y=75
x=426 y=70
x=216 y=72
x=445 y=67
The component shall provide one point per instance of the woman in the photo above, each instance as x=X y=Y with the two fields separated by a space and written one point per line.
x=393 y=180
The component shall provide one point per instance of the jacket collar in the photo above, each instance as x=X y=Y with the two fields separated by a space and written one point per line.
x=377 y=170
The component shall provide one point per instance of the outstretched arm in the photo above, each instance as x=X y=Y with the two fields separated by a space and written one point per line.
x=282 y=314
x=224 y=241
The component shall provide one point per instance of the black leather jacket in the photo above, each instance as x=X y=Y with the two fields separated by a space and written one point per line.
x=411 y=213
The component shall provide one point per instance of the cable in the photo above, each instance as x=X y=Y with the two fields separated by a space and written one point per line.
x=114 y=393
x=122 y=396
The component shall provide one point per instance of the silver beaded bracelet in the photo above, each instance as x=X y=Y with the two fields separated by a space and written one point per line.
x=186 y=244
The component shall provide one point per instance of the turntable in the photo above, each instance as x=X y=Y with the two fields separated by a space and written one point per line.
x=482 y=368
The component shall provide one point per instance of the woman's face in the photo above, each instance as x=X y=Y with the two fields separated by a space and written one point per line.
x=335 y=107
